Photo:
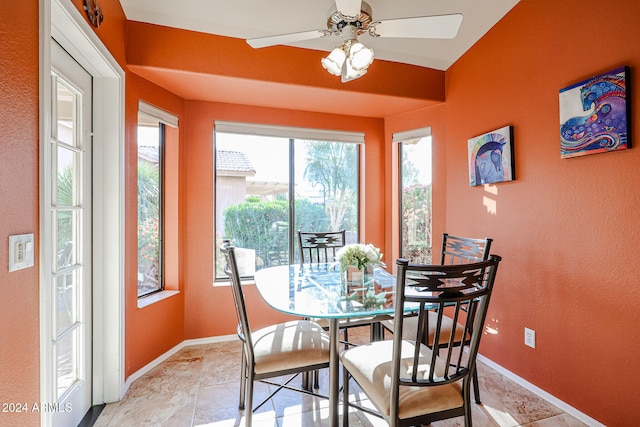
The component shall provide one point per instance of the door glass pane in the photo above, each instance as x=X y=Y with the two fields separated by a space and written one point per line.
x=66 y=114
x=66 y=301
x=67 y=226
x=67 y=185
x=67 y=365
x=416 y=200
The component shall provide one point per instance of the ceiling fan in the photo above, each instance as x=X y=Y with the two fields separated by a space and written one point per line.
x=351 y=18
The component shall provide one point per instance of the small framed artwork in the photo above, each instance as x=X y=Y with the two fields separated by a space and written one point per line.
x=594 y=115
x=491 y=157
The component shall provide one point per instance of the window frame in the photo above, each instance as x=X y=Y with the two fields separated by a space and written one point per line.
x=163 y=119
x=413 y=136
x=294 y=135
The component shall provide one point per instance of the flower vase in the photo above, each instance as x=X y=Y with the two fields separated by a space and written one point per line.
x=367 y=276
x=353 y=278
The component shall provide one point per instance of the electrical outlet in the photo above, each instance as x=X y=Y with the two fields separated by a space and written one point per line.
x=530 y=337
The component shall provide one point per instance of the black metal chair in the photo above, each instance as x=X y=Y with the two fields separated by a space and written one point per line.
x=293 y=347
x=460 y=250
x=318 y=247
x=455 y=250
x=408 y=382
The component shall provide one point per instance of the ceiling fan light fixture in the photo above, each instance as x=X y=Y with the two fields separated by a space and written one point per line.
x=360 y=57
x=349 y=73
x=335 y=61
x=350 y=60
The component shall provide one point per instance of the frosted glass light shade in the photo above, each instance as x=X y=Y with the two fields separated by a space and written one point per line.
x=334 y=62
x=360 y=57
x=349 y=60
x=349 y=73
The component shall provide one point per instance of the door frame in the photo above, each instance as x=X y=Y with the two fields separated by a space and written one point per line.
x=61 y=20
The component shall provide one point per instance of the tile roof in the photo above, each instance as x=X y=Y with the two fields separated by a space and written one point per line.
x=148 y=153
x=233 y=161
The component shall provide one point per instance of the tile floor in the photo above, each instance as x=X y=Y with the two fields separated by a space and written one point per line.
x=199 y=386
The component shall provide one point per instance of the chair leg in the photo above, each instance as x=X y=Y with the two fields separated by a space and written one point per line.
x=345 y=397
x=243 y=379
x=308 y=377
x=316 y=379
x=468 y=422
x=248 y=412
x=476 y=387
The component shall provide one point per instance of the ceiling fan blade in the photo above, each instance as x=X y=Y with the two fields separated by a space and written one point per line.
x=287 y=38
x=349 y=7
x=422 y=27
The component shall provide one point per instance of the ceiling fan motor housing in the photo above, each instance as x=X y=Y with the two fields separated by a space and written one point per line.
x=337 y=21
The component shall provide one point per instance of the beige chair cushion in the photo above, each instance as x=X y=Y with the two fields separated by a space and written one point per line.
x=370 y=366
x=289 y=345
x=410 y=327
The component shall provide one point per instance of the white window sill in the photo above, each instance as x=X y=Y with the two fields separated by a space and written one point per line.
x=154 y=298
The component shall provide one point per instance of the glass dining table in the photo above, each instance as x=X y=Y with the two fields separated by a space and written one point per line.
x=318 y=291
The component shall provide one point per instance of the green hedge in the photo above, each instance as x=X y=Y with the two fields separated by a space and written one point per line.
x=264 y=226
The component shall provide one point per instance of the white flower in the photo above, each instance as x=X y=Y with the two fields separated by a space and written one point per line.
x=372 y=253
x=358 y=255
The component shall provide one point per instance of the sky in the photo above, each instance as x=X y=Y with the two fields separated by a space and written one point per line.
x=269 y=155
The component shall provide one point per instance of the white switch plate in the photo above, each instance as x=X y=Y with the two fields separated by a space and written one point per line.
x=20 y=251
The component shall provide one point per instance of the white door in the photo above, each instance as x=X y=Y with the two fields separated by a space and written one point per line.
x=68 y=344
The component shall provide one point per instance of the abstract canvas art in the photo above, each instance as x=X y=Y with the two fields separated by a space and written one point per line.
x=594 y=115
x=491 y=158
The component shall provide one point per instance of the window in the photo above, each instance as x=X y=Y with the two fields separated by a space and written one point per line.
x=150 y=153
x=273 y=181
x=151 y=177
x=415 y=194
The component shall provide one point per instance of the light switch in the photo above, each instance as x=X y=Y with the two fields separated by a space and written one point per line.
x=28 y=250
x=20 y=251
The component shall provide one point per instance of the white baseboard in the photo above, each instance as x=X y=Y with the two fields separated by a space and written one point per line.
x=186 y=343
x=543 y=394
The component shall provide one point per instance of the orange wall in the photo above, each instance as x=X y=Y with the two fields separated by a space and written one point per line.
x=566 y=229
x=209 y=310
x=19 y=304
x=152 y=330
x=233 y=57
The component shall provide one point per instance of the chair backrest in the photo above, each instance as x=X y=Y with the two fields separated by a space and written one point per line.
x=317 y=247
x=464 y=250
x=231 y=269
x=440 y=289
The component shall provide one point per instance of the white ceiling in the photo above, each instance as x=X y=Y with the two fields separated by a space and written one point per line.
x=257 y=18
